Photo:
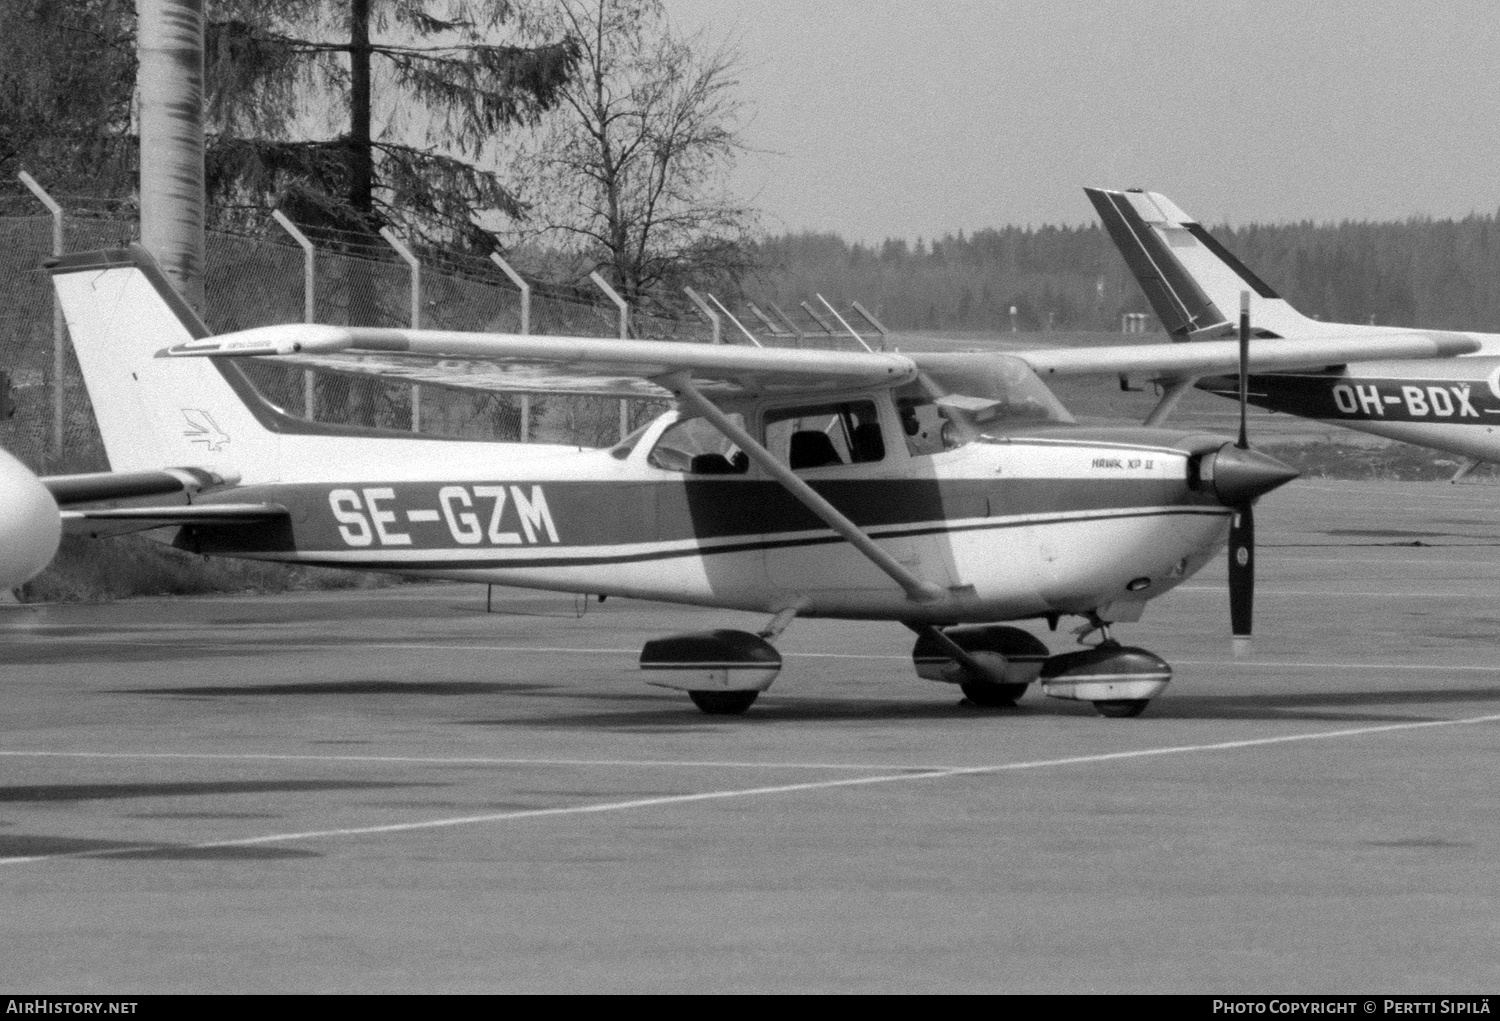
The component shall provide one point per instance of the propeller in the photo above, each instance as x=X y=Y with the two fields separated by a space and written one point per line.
x=1242 y=525
x=1238 y=476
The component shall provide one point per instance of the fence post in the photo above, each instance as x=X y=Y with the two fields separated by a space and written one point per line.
x=416 y=313
x=58 y=359
x=772 y=327
x=609 y=292
x=817 y=318
x=309 y=302
x=790 y=324
x=844 y=323
x=516 y=279
x=748 y=335
x=710 y=314
x=879 y=326
x=520 y=282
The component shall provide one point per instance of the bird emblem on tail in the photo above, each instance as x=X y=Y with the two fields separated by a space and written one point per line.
x=203 y=429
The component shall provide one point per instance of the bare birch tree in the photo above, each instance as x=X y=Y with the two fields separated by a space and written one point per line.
x=628 y=172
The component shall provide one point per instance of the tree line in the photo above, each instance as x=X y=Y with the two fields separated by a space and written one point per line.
x=1420 y=272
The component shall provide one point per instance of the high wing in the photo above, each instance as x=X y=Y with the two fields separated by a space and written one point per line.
x=1214 y=357
x=110 y=503
x=493 y=361
x=497 y=361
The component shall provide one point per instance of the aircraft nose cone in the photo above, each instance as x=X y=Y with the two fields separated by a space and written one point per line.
x=1239 y=475
x=29 y=523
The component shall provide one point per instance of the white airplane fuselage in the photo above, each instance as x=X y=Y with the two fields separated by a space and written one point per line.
x=1449 y=404
x=1042 y=520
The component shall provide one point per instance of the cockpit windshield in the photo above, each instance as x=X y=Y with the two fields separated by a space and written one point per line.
x=982 y=393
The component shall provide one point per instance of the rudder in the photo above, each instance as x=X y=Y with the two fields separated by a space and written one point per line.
x=1192 y=281
x=153 y=412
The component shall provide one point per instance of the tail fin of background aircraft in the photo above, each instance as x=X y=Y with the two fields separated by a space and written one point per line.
x=153 y=412
x=1192 y=281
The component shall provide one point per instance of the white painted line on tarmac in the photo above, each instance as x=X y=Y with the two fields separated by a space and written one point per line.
x=745 y=792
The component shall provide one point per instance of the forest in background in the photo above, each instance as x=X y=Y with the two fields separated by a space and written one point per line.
x=1438 y=274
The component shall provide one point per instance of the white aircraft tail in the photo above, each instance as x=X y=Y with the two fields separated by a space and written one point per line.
x=152 y=412
x=1192 y=281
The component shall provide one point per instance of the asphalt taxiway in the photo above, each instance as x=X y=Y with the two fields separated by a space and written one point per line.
x=392 y=790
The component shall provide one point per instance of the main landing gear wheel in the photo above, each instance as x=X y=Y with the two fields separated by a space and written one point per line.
x=992 y=696
x=1121 y=708
x=723 y=703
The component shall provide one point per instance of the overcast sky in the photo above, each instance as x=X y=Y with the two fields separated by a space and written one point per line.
x=913 y=119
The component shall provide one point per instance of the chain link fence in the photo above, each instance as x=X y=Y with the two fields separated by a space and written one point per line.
x=257 y=282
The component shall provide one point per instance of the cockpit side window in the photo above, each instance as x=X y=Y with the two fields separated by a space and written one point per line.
x=826 y=435
x=694 y=446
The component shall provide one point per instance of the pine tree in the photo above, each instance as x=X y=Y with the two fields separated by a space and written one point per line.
x=354 y=114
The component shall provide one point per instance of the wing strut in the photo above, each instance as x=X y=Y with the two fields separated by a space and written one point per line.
x=916 y=589
x=1174 y=394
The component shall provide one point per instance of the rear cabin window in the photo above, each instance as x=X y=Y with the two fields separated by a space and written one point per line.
x=696 y=447
x=825 y=435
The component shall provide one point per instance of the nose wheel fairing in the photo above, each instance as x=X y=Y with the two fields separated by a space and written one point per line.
x=1119 y=679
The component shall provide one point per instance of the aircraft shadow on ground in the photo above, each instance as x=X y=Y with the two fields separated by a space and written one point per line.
x=670 y=716
x=44 y=793
x=439 y=688
x=1333 y=706
x=26 y=845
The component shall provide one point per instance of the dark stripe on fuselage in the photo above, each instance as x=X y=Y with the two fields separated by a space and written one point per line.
x=1338 y=397
x=561 y=558
x=462 y=515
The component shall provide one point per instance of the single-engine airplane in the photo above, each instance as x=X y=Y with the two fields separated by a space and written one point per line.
x=1194 y=284
x=948 y=492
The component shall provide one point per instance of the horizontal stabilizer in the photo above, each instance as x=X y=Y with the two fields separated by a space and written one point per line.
x=95 y=487
x=116 y=520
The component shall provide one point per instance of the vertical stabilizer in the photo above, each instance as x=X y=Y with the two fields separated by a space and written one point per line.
x=155 y=412
x=1192 y=281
